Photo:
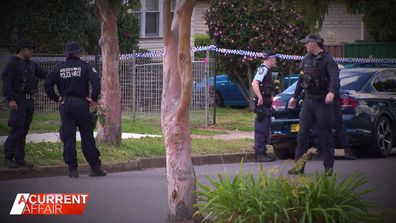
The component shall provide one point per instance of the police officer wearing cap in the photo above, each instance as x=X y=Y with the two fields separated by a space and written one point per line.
x=20 y=78
x=263 y=88
x=320 y=81
x=73 y=79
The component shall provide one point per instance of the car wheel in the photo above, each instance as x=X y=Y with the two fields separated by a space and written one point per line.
x=218 y=99
x=383 y=134
x=283 y=151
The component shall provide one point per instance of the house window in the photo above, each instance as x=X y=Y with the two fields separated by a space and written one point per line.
x=152 y=12
x=151 y=17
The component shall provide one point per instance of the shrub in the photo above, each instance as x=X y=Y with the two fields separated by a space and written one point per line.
x=202 y=40
x=255 y=25
x=246 y=198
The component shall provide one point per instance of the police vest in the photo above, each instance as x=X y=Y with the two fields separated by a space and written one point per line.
x=315 y=76
x=25 y=80
x=267 y=87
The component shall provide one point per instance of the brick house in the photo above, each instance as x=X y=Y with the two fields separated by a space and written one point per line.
x=338 y=27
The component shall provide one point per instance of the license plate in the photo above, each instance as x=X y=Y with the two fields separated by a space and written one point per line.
x=294 y=127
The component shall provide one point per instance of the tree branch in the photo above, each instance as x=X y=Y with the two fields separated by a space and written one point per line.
x=184 y=11
x=167 y=20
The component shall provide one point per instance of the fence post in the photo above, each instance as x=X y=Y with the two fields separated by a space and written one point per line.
x=214 y=86
x=206 y=68
x=133 y=88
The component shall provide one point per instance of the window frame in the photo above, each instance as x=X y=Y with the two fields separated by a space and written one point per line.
x=142 y=16
x=378 y=76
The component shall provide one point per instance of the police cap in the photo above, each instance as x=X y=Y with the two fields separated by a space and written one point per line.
x=24 y=43
x=313 y=37
x=72 y=47
x=269 y=54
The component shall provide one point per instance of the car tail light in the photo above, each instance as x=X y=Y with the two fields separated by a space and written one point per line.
x=211 y=88
x=349 y=102
x=276 y=103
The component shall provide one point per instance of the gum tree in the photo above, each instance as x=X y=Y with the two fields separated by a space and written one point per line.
x=111 y=98
x=176 y=99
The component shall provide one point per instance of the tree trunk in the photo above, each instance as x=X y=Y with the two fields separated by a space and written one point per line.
x=176 y=98
x=110 y=133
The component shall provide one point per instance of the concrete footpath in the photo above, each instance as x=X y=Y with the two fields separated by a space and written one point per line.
x=54 y=137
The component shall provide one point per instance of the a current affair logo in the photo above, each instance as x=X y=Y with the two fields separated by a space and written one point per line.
x=49 y=204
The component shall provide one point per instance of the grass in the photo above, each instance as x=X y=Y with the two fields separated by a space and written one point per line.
x=226 y=120
x=234 y=119
x=48 y=154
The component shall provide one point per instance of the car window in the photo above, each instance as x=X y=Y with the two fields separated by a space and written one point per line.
x=388 y=79
x=378 y=85
x=290 y=89
x=353 y=80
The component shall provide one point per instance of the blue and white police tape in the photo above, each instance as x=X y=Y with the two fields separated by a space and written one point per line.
x=244 y=53
x=252 y=54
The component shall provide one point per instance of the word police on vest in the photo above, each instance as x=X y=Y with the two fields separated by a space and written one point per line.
x=70 y=72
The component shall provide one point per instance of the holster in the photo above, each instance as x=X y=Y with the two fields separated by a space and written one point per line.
x=261 y=111
x=94 y=119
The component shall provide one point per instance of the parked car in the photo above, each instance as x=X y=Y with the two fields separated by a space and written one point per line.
x=227 y=93
x=368 y=99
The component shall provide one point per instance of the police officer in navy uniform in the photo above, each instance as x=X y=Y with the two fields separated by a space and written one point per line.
x=72 y=79
x=263 y=88
x=320 y=81
x=20 y=77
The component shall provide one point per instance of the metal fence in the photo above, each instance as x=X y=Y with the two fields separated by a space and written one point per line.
x=140 y=85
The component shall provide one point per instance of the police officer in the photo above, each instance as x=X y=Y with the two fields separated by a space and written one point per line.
x=263 y=88
x=72 y=79
x=20 y=77
x=320 y=81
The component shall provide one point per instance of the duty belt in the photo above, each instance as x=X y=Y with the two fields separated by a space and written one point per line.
x=315 y=97
x=72 y=97
x=26 y=96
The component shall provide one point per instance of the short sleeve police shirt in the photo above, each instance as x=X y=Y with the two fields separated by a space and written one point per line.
x=261 y=72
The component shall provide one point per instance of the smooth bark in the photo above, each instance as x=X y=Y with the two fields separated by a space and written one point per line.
x=110 y=133
x=176 y=99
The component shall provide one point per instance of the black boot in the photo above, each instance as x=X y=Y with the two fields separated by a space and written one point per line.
x=24 y=164
x=298 y=168
x=329 y=171
x=264 y=158
x=10 y=164
x=73 y=172
x=96 y=170
x=349 y=154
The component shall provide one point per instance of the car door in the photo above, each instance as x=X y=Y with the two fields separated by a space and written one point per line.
x=385 y=84
x=230 y=92
x=389 y=81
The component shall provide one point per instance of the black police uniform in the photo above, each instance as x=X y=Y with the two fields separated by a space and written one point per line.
x=262 y=123
x=72 y=79
x=340 y=131
x=320 y=76
x=20 y=79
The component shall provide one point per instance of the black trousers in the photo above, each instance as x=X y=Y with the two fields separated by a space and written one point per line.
x=262 y=132
x=316 y=112
x=339 y=127
x=19 y=122
x=75 y=113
